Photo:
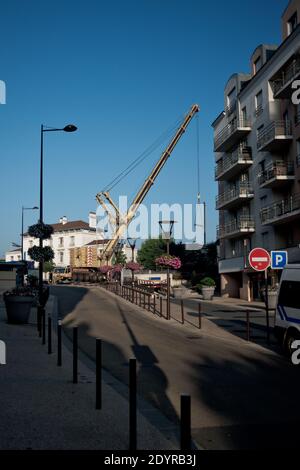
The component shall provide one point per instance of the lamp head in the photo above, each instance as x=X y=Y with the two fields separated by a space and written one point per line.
x=70 y=128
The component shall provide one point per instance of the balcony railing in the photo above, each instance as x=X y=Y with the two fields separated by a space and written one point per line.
x=232 y=133
x=231 y=108
x=277 y=172
x=232 y=163
x=281 y=86
x=285 y=210
x=276 y=134
x=244 y=224
x=232 y=196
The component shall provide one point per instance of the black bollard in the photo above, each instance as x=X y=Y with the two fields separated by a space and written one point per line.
x=49 y=335
x=75 y=355
x=59 y=351
x=132 y=405
x=185 y=422
x=98 y=374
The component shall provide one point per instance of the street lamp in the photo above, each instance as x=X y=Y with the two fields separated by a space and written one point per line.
x=132 y=243
x=68 y=128
x=167 y=235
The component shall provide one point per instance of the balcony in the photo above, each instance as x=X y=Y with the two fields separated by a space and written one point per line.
x=277 y=174
x=232 y=164
x=234 y=197
x=231 y=134
x=286 y=210
x=281 y=84
x=236 y=228
x=231 y=108
x=275 y=137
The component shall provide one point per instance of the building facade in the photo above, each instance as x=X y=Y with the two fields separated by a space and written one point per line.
x=66 y=236
x=257 y=154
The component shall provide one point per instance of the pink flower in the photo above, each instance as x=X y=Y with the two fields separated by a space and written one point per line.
x=133 y=266
x=169 y=261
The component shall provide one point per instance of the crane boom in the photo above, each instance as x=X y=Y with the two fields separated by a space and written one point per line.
x=109 y=249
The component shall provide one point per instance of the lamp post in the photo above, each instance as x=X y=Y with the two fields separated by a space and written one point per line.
x=132 y=243
x=167 y=234
x=68 y=128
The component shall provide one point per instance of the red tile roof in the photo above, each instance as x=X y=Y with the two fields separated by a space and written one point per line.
x=72 y=225
x=98 y=242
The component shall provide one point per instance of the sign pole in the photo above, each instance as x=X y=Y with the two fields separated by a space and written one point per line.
x=267 y=305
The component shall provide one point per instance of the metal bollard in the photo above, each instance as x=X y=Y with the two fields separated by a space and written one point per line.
x=248 y=325
x=59 y=355
x=49 y=335
x=160 y=307
x=154 y=303
x=132 y=405
x=182 y=312
x=43 y=326
x=185 y=422
x=75 y=355
x=199 y=316
x=98 y=374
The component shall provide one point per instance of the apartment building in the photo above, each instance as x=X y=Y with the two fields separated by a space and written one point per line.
x=257 y=154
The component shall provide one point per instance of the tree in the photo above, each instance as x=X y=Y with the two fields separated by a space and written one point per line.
x=119 y=258
x=149 y=251
x=49 y=266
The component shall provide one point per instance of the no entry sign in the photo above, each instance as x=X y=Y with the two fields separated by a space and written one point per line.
x=259 y=259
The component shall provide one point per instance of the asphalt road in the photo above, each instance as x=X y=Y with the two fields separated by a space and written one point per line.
x=243 y=396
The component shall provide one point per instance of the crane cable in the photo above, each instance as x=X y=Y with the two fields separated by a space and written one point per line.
x=142 y=156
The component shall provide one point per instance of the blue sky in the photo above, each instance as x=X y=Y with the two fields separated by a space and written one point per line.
x=123 y=72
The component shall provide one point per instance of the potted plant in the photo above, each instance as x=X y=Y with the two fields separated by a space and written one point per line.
x=168 y=261
x=207 y=287
x=18 y=303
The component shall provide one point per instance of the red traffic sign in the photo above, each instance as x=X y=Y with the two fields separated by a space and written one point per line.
x=259 y=259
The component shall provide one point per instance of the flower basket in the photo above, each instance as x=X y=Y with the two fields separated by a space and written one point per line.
x=105 y=269
x=39 y=254
x=132 y=266
x=168 y=261
x=41 y=231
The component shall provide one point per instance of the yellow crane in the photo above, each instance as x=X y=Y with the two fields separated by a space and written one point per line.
x=121 y=222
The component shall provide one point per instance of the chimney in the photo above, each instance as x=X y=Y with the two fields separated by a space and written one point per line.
x=92 y=219
x=63 y=220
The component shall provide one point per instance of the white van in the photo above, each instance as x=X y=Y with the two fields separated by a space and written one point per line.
x=287 y=319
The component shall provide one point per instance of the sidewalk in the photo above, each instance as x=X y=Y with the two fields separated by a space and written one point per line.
x=42 y=409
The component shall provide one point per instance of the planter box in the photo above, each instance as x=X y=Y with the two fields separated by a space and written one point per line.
x=208 y=292
x=18 y=308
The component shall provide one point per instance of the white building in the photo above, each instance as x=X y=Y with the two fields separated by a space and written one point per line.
x=66 y=235
x=13 y=255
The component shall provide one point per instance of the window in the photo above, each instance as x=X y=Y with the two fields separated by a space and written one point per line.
x=72 y=241
x=292 y=23
x=289 y=294
x=259 y=103
x=30 y=243
x=61 y=257
x=244 y=115
x=298 y=152
x=265 y=240
x=263 y=201
x=259 y=131
x=257 y=64
x=231 y=101
x=61 y=241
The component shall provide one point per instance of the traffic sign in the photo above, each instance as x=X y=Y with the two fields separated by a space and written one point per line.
x=259 y=259
x=279 y=259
